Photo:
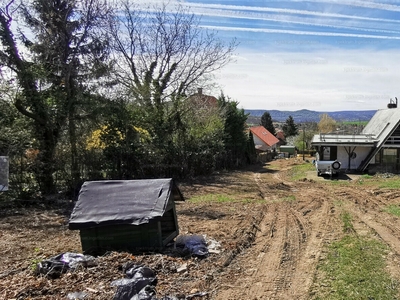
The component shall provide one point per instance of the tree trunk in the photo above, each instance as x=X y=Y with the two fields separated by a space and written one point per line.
x=44 y=165
x=75 y=172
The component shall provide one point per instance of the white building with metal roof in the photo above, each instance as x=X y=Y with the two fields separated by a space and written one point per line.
x=376 y=148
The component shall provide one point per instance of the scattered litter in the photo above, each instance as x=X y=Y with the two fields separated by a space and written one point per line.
x=55 y=266
x=132 y=270
x=197 y=294
x=135 y=289
x=182 y=268
x=194 y=245
x=140 y=284
x=76 y=296
x=92 y=290
x=213 y=246
x=385 y=175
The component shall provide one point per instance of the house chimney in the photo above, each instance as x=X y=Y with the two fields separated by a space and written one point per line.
x=200 y=91
x=392 y=104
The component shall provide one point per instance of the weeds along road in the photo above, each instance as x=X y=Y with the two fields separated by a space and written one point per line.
x=301 y=218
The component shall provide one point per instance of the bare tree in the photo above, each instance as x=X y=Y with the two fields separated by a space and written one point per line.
x=326 y=124
x=165 y=53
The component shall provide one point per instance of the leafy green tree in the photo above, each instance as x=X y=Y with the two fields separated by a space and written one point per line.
x=266 y=122
x=304 y=138
x=65 y=53
x=289 y=127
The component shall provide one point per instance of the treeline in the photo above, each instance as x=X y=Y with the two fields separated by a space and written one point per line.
x=92 y=91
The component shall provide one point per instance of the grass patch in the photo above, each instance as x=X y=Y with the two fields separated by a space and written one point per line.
x=212 y=198
x=338 y=203
x=347 y=222
x=220 y=198
x=290 y=198
x=390 y=183
x=355 y=269
x=354 y=123
x=272 y=167
x=393 y=209
x=366 y=176
x=383 y=181
x=300 y=171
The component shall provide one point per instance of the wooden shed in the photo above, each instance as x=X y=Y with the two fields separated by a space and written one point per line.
x=131 y=215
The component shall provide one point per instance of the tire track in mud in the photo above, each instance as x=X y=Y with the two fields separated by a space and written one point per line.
x=370 y=213
x=366 y=207
x=303 y=275
x=286 y=249
x=278 y=243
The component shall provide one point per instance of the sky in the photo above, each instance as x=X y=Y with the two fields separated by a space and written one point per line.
x=323 y=55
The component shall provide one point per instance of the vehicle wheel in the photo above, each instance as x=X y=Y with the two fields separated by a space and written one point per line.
x=336 y=165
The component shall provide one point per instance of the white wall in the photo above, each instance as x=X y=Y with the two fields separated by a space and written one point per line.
x=343 y=157
x=258 y=141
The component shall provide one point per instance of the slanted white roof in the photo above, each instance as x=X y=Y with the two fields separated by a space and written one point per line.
x=375 y=133
x=382 y=124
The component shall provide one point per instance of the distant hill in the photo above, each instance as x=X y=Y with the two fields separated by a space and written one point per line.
x=305 y=115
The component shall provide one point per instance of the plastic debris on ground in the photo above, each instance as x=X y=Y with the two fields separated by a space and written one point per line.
x=213 y=246
x=76 y=296
x=194 y=245
x=139 y=284
x=55 y=266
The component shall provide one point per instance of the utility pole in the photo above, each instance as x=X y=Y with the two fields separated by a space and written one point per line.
x=304 y=144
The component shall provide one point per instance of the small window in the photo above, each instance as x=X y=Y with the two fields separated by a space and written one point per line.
x=389 y=155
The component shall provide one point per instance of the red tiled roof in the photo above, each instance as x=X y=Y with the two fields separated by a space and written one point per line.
x=201 y=99
x=264 y=135
x=280 y=135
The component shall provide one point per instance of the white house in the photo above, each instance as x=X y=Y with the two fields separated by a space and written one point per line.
x=263 y=139
x=375 y=149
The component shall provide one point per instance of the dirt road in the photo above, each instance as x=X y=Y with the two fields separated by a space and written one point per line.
x=300 y=219
x=273 y=232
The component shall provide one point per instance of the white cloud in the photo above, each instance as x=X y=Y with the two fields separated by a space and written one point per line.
x=302 y=32
x=355 y=3
x=325 y=81
x=326 y=55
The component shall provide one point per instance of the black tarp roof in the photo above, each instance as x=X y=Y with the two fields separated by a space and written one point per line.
x=111 y=202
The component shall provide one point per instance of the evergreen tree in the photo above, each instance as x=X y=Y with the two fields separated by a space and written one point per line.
x=235 y=139
x=289 y=128
x=251 y=149
x=266 y=122
x=62 y=52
